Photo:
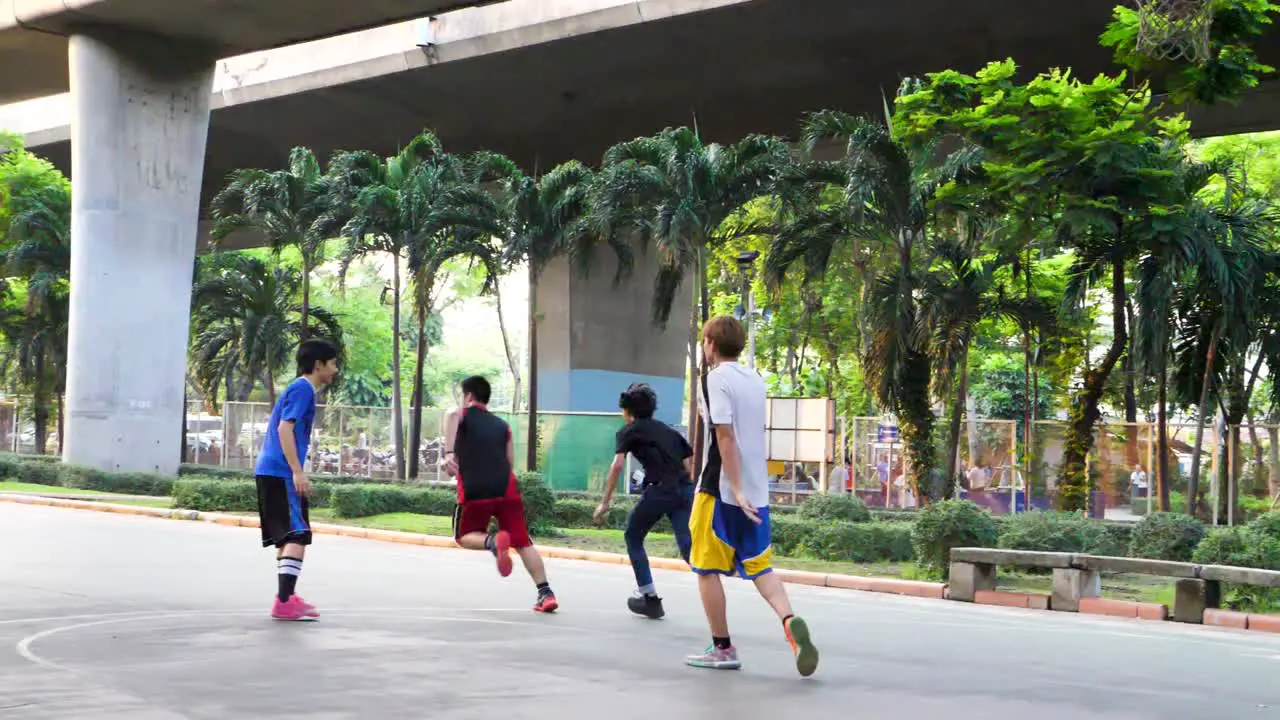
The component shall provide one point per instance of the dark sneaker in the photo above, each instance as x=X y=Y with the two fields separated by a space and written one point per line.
x=802 y=646
x=649 y=606
x=546 y=603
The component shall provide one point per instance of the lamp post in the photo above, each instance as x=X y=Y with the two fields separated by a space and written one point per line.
x=745 y=262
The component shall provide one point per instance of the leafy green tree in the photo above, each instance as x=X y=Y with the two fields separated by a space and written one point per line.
x=35 y=226
x=247 y=321
x=1231 y=68
x=1108 y=161
x=283 y=206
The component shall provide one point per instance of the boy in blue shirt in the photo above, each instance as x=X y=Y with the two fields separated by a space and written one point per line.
x=283 y=487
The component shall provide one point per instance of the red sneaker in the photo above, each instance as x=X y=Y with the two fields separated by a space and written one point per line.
x=502 y=551
x=292 y=609
x=546 y=604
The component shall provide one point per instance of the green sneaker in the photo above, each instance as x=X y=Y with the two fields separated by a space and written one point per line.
x=802 y=645
x=716 y=659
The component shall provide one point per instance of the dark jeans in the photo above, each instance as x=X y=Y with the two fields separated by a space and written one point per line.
x=673 y=502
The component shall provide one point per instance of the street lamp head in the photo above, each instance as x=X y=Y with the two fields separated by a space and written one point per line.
x=746 y=258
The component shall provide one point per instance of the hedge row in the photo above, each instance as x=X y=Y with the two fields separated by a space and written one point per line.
x=49 y=471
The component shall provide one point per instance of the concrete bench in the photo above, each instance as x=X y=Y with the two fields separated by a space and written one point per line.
x=1077 y=576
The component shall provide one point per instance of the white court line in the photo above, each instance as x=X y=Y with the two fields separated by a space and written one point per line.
x=91 y=616
x=23 y=646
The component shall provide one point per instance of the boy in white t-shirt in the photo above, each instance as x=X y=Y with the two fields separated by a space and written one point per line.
x=730 y=520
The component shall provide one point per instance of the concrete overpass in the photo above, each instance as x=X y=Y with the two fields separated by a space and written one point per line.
x=547 y=80
x=34 y=34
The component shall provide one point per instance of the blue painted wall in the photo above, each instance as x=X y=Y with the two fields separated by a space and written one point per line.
x=585 y=390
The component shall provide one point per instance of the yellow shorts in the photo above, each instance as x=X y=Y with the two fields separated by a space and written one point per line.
x=726 y=541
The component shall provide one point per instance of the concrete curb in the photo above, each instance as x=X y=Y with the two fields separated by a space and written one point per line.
x=844 y=582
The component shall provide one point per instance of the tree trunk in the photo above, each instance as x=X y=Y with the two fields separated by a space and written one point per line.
x=304 y=332
x=1162 y=432
x=1132 y=454
x=512 y=364
x=1273 y=477
x=269 y=378
x=531 y=424
x=397 y=404
x=1073 y=481
x=701 y=308
x=415 y=404
x=957 y=417
x=40 y=407
x=1193 y=483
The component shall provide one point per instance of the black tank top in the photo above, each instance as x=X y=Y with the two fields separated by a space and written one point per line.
x=481 y=449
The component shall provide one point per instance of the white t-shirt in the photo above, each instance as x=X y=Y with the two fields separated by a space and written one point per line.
x=737 y=397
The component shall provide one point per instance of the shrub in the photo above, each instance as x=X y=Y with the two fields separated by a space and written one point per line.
x=539 y=502
x=575 y=513
x=1166 y=536
x=1053 y=532
x=822 y=506
x=1267 y=525
x=124 y=483
x=352 y=501
x=950 y=524
x=1242 y=547
x=215 y=495
x=214 y=471
x=38 y=472
x=839 y=540
x=1117 y=539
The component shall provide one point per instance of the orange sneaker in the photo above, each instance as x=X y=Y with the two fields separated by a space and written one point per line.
x=802 y=645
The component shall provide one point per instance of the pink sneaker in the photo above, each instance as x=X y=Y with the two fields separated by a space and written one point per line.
x=311 y=609
x=292 y=609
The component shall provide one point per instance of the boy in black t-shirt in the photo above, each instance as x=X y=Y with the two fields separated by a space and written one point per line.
x=668 y=488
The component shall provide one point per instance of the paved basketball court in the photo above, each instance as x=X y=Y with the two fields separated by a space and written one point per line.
x=105 y=616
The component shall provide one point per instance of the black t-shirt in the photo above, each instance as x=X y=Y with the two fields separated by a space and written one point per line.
x=481 y=450
x=660 y=450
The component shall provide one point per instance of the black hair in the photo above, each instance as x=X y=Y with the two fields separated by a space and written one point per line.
x=640 y=400
x=313 y=352
x=478 y=388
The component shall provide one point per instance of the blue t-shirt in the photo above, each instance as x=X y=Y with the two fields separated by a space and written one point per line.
x=296 y=405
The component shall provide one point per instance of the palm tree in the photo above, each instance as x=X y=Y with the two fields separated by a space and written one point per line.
x=960 y=291
x=548 y=216
x=885 y=192
x=283 y=206
x=367 y=200
x=39 y=250
x=448 y=215
x=676 y=192
x=246 y=318
x=1197 y=283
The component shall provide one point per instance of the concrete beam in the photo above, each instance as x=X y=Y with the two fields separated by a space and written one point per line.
x=33 y=31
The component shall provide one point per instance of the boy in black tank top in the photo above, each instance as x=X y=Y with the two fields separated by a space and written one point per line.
x=480 y=455
x=668 y=488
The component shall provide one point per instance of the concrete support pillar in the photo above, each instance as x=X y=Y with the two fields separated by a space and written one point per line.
x=138 y=130
x=1192 y=598
x=1070 y=586
x=595 y=339
x=965 y=580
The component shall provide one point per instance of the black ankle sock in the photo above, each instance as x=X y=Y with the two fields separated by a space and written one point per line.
x=489 y=544
x=721 y=643
x=544 y=589
x=289 y=570
x=785 y=619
